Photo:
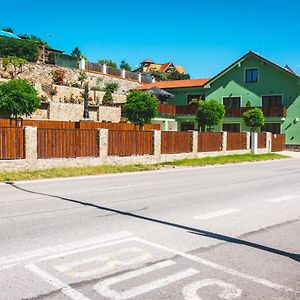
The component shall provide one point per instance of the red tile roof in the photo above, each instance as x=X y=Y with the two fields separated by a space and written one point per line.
x=175 y=84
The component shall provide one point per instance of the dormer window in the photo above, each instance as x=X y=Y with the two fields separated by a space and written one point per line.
x=251 y=75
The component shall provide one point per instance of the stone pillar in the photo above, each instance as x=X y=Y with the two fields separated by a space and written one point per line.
x=248 y=140
x=153 y=79
x=30 y=142
x=195 y=142
x=104 y=70
x=269 y=141
x=103 y=142
x=139 y=77
x=157 y=142
x=224 y=141
x=82 y=64
x=123 y=73
x=254 y=142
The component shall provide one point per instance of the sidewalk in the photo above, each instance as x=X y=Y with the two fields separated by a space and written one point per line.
x=292 y=154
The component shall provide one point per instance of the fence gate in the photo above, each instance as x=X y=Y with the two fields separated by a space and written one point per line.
x=278 y=142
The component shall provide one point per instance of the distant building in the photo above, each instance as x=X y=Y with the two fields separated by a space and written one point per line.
x=148 y=66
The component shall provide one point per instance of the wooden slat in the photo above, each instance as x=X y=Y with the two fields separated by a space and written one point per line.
x=209 y=141
x=12 y=143
x=278 y=142
x=176 y=142
x=236 y=140
x=261 y=140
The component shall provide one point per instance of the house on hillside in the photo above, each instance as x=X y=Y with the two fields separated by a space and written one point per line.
x=150 y=67
x=251 y=81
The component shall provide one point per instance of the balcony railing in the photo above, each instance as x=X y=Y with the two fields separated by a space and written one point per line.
x=237 y=112
x=172 y=110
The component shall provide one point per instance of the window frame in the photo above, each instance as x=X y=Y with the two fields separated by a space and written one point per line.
x=238 y=96
x=251 y=69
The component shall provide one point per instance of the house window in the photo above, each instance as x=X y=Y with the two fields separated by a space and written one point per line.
x=251 y=75
x=271 y=127
x=190 y=98
x=185 y=126
x=230 y=102
x=272 y=101
x=231 y=127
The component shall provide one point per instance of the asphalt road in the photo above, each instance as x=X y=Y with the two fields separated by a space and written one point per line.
x=226 y=232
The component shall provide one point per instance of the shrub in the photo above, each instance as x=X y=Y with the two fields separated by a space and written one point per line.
x=82 y=77
x=108 y=62
x=112 y=86
x=254 y=118
x=17 y=98
x=140 y=107
x=58 y=76
x=124 y=65
x=108 y=98
x=210 y=113
x=23 y=49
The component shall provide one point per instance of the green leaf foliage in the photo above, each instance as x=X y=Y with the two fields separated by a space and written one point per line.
x=108 y=62
x=17 y=98
x=108 y=98
x=23 y=49
x=210 y=113
x=254 y=118
x=140 y=107
x=124 y=65
x=112 y=86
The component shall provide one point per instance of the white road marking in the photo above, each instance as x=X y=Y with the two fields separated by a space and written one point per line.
x=283 y=198
x=15 y=259
x=217 y=213
x=103 y=287
x=230 y=291
x=65 y=289
x=220 y=267
x=111 y=260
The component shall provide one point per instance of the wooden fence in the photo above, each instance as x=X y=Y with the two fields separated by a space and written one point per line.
x=278 y=142
x=209 y=141
x=11 y=142
x=70 y=124
x=176 y=142
x=65 y=143
x=261 y=140
x=128 y=142
x=236 y=141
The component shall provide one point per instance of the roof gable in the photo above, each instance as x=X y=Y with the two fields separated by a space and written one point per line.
x=247 y=55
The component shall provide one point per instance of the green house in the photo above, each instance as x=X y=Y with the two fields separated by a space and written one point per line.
x=251 y=81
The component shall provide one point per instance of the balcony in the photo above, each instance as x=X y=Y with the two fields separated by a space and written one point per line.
x=237 y=112
x=173 y=110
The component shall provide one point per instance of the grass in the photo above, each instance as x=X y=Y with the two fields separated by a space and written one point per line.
x=110 y=169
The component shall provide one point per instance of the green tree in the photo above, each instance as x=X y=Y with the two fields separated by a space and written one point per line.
x=254 y=118
x=210 y=113
x=76 y=53
x=140 y=107
x=175 y=75
x=35 y=39
x=14 y=65
x=108 y=62
x=23 y=49
x=108 y=98
x=17 y=98
x=124 y=65
x=8 y=29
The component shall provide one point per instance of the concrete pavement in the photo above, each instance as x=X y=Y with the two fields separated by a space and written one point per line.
x=223 y=232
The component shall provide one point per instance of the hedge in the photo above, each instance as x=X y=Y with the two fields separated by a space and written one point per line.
x=20 y=48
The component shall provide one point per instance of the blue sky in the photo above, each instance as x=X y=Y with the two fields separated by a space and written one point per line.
x=203 y=36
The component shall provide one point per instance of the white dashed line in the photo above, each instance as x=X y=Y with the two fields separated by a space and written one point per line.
x=65 y=289
x=217 y=213
x=283 y=198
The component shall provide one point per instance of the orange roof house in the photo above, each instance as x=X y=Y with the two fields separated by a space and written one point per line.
x=148 y=66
